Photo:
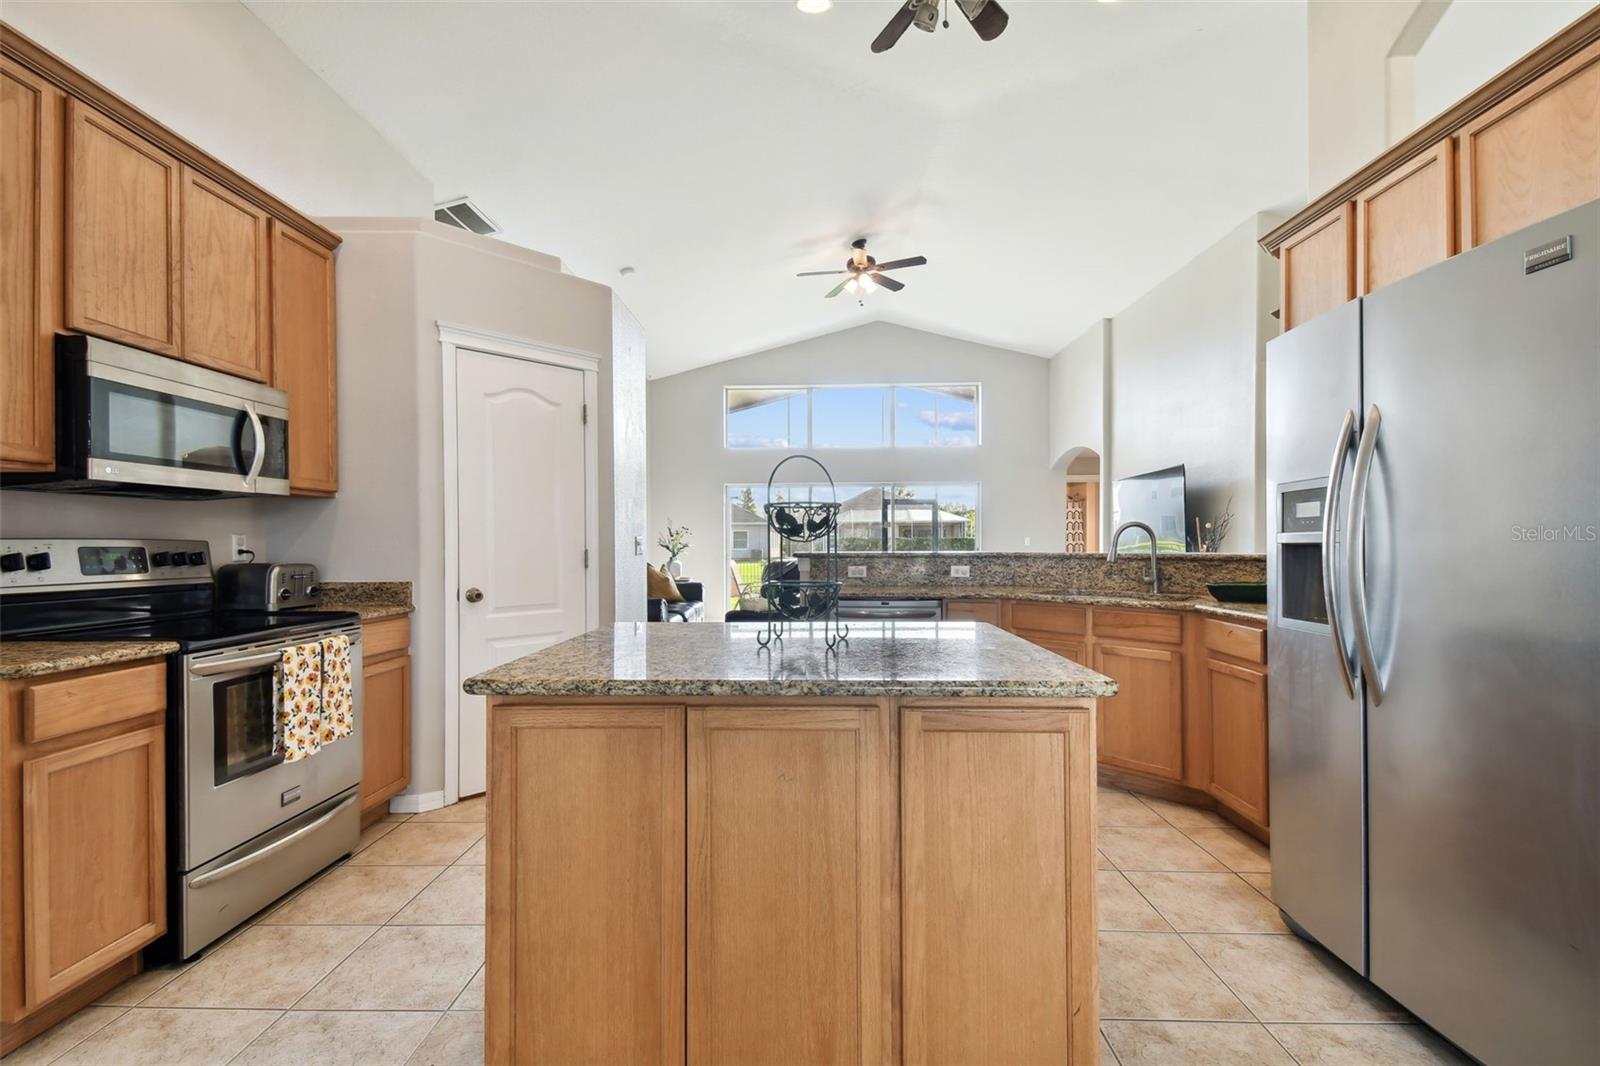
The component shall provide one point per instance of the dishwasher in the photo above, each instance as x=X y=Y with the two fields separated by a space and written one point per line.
x=860 y=610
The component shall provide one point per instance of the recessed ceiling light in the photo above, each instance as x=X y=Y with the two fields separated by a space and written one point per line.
x=813 y=7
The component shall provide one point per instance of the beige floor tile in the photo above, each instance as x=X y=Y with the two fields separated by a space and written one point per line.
x=1194 y=1044
x=1157 y=976
x=1114 y=807
x=429 y=844
x=1238 y=850
x=1154 y=849
x=397 y=818
x=171 y=1038
x=140 y=987
x=1208 y=902
x=456 y=1041
x=471 y=997
x=373 y=833
x=1107 y=1056
x=63 y=1036
x=338 y=1038
x=265 y=966
x=1184 y=816
x=1361 y=1045
x=1262 y=883
x=455 y=897
x=403 y=967
x=468 y=810
x=1103 y=863
x=1121 y=906
x=477 y=855
x=1284 y=979
x=354 y=895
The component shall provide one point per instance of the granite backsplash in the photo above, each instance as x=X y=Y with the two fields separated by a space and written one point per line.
x=1180 y=574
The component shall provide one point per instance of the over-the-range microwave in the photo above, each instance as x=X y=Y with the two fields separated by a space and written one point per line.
x=132 y=423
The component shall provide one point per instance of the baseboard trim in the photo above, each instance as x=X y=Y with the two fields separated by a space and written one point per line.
x=416 y=802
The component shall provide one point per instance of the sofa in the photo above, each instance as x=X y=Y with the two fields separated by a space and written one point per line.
x=692 y=609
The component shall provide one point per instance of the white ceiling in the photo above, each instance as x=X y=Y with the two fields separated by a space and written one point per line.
x=1051 y=176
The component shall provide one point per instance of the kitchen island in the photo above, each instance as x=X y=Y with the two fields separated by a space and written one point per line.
x=703 y=849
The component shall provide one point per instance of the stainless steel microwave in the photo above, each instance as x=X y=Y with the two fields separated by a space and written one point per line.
x=132 y=423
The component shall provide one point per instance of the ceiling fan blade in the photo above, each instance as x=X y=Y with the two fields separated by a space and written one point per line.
x=819 y=273
x=896 y=264
x=887 y=282
x=837 y=289
x=988 y=18
x=896 y=28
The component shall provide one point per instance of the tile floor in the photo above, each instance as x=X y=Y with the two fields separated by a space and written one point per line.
x=380 y=960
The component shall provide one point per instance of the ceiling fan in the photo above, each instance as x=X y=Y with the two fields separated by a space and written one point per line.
x=988 y=18
x=865 y=273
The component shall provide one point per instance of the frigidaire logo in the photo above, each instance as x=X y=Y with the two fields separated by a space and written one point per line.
x=1549 y=534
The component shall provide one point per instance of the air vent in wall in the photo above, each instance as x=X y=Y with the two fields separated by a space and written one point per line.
x=464 y=214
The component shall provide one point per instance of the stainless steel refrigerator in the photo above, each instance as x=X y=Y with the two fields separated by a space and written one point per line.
x=1433 y=468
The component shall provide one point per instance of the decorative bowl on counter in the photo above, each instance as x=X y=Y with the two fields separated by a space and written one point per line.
x=1239 y=591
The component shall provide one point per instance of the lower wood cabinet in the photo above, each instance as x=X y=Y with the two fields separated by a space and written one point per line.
x=83 y=807
x=1141 y=728
x=386 y=714
x=973 y=611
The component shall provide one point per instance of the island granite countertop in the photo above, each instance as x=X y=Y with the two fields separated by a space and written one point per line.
x=710 y=659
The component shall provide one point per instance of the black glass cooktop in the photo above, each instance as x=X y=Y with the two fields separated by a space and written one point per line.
x=217 y=629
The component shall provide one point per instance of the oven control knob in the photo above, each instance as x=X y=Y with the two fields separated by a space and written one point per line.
x=39 y=561
x=160 y=558
x=197 y=558
x=11 y=562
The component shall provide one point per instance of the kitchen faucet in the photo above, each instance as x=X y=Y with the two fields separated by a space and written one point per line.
x=1154 y=580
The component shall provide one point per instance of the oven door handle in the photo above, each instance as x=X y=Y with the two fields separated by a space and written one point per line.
x=230 y=666
x=239 y=865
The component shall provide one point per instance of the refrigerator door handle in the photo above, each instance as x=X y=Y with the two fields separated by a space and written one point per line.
x=1341 y=447
x=1355 y=565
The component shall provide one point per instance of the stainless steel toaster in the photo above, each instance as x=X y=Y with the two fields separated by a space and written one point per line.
x=268 y=586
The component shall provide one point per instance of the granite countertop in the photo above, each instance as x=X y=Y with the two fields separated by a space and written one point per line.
x=1256 y=612
x=372 y=600
x=709 y=659
x=35 y=658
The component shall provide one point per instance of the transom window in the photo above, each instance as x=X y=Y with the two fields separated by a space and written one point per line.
x=852 y=416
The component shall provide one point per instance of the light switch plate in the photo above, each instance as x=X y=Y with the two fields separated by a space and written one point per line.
x=960 y=571
x=856 y=571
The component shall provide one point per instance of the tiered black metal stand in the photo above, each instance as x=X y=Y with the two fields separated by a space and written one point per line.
x=816 y=598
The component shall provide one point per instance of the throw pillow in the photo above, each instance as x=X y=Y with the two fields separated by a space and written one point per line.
x=661 y=586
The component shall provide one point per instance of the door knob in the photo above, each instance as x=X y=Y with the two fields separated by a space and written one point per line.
x=474 y=595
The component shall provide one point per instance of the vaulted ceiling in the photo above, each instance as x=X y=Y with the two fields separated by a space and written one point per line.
x=1050 y=177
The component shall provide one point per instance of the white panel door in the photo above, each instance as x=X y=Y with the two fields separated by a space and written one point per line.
x=521 y=512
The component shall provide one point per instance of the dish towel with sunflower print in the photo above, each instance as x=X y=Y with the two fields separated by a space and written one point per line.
x=297 y=695
x=338 y=689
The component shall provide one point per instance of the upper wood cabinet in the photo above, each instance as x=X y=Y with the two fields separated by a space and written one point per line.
x=225 y=291
x=1535 y=155
x=303 y=359
x=122 y=233
x=1406 y=220
x=1317 y=267
x=30 y=265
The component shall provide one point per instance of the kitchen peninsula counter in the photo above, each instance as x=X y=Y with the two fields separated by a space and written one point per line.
x=701 y=847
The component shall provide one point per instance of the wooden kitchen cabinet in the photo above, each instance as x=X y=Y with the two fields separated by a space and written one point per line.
x=30 y=265
x=122 y=234
x=973 y=611
x=83 y=806
x=995 y=807
x=1405 y=221
x=1534 y=155
x=1238 y=698
x=225 y=291
x=787 y=833
x=1317 y=267
x=1141 y=728
x=586 y=834
x=303 y=358
x=386 y=714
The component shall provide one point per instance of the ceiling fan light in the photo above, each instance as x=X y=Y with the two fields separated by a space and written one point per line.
x=813 y=7
x=867 y=284
x=852 y=285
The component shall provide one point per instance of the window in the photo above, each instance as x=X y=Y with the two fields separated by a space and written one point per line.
x=741 y=540
x=852 y=416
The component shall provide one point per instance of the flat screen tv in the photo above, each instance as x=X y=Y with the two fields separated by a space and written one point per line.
x=1156 y=499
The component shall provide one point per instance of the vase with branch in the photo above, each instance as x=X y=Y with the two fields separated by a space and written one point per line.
x=674 y=542
x=1209 y=536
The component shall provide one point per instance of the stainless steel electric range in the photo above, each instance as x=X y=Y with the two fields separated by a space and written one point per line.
x=244 y=825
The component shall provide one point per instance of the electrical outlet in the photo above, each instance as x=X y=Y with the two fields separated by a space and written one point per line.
x=856 y=571
x=239 y=546
x=1027 y=542
x=960 y=571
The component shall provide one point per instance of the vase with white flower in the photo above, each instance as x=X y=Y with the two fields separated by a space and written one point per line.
x=674 y=542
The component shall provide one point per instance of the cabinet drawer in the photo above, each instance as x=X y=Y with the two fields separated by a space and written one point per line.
x=1242 y=642
x=1049 y=617
x=972 y=611
x=1158 y=627
x=385 y=637
x=88 y=701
